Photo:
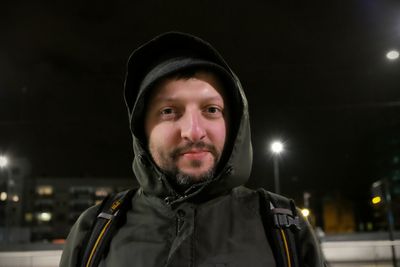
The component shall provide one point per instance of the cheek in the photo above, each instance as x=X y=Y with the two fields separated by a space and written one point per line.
x=219 y=135
x=156 y=146
x=161 y=137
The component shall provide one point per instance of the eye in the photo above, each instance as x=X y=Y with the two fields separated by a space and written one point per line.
x=168 y=113
x=214 y=111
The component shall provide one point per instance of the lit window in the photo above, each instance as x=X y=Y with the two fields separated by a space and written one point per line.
x=44 y=190
x=3 y=161
x=103 y=192
x=44 y=216
x=15 y=198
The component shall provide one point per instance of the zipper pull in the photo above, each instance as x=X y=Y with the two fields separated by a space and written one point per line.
x=169 y=200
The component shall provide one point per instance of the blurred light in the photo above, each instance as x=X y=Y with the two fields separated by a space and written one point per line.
x=277 y=147
x=392 y=55
x=376 y=200
x=28 y=217
x=44 y=190
x=15 y=198
x=305 y=212
x=44 y=216
x=58 y=241
x=3 y=196
x=3 y=161
x=370 y=226
x=102 y=192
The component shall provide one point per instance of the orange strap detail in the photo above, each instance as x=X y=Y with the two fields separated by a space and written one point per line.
x=286 y=247
x=97 y=242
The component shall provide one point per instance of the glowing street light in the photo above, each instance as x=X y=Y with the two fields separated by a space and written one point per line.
x=392 y=55
x=305 y=212
x=276 y=148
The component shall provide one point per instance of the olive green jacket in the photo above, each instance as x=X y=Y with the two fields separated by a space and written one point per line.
x=225 y=231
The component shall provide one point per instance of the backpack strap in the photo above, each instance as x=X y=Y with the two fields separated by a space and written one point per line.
x=110 y=216
x=282 y=225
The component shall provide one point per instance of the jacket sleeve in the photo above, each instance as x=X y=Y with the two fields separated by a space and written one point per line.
x=75 y=237
x=311 y=254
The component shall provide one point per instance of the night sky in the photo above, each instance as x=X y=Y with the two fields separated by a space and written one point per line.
x=315 y=74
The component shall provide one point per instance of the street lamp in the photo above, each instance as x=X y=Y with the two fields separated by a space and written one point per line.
x=276 y=148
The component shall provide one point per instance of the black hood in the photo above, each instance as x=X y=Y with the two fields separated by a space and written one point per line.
x=160 y=57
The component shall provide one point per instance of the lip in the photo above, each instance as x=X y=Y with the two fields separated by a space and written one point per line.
x=195 y=154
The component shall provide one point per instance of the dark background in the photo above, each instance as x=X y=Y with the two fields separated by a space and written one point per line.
x=315 y=74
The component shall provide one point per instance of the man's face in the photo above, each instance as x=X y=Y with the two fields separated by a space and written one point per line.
x=185 y=125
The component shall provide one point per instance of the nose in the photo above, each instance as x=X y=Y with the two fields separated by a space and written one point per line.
x=192 y=128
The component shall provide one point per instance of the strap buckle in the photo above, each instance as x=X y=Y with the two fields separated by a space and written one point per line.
x=107 y=216
x=284 y=218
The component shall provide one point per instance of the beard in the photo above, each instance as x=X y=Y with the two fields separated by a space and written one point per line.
x=168 y=163
x=185 y=180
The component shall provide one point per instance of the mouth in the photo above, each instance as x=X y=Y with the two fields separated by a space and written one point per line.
x=198 y=151
x=195 y=154
x=194 y=151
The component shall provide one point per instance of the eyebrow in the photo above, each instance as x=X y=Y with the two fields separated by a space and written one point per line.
x=171 y=99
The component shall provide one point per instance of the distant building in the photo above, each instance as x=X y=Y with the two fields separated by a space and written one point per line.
x=13 y=184
x=55 y=202
x=338 y=215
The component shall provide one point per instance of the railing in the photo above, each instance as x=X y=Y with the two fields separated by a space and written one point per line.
x=337 y=253
x=44 y=258
x=348 y=253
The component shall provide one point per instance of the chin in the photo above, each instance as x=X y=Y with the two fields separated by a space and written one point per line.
x=195 y=175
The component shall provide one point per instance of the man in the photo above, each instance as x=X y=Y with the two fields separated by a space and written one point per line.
x=191 y=138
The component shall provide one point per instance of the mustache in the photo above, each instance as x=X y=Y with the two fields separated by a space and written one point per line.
x=190 y=146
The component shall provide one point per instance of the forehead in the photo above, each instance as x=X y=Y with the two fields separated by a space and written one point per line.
x=167 y=87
